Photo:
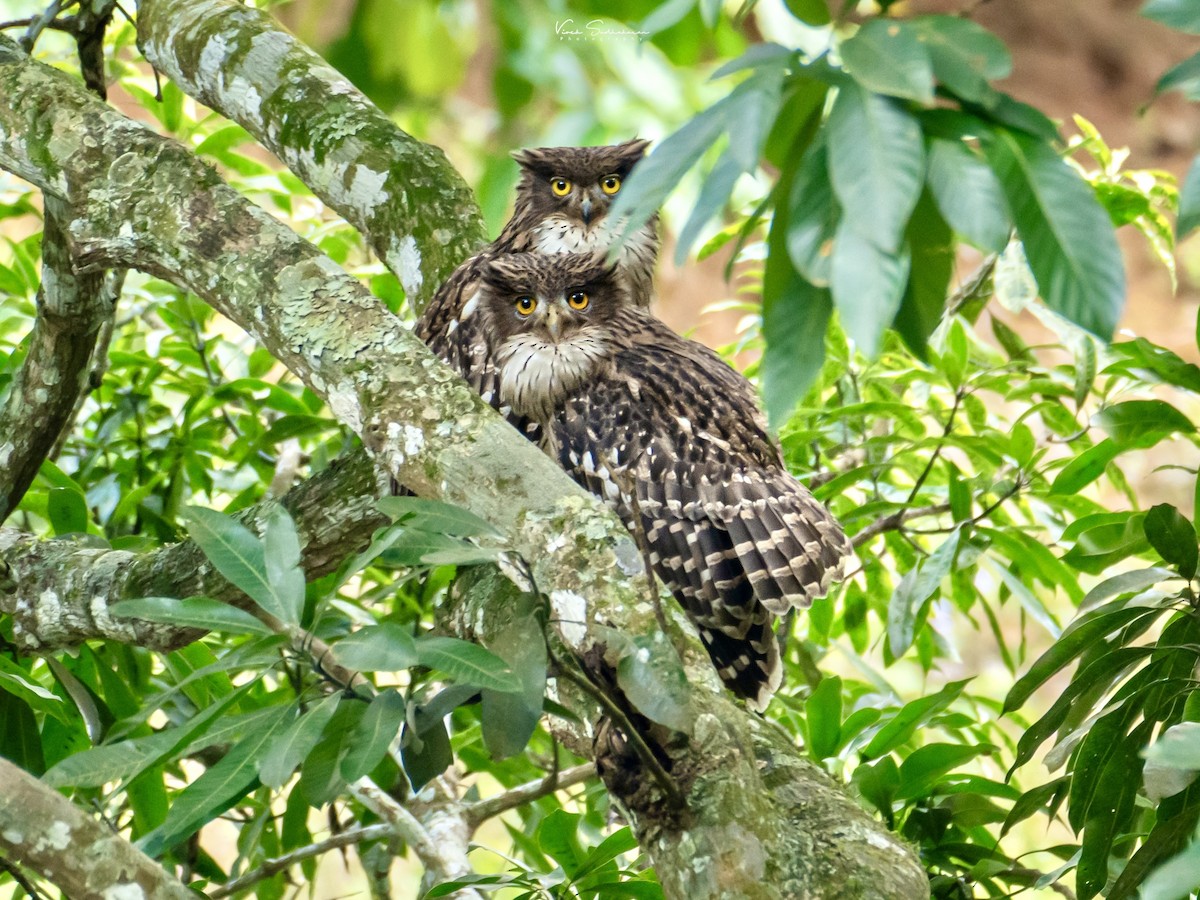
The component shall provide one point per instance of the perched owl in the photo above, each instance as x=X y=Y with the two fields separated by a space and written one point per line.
x=562 y=206
x=670 y=435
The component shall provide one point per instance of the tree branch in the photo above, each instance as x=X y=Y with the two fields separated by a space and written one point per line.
x=72 y=307
x=403 y=195
x=480 y=812
x=40 y=825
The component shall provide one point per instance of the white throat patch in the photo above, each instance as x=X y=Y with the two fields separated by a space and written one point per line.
x=535 y=376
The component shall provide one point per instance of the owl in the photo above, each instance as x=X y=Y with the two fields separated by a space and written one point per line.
x=672 y=438
x=562 y=206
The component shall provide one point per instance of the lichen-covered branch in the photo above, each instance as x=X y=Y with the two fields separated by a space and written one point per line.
x=43 y=831
x=61 y=590
x=403 y=195
x=71 y=308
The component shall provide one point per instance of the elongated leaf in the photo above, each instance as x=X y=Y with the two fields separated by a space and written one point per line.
x=811 y=12
x=888 y=56
x=823 y=717
x=510 y=717
x=1142 y=423
x=295 y=743
x=1183 y=77
x=901 y=726
x=969 y=194
x=558 y=837
x=1189 y=202
x=1075 y=639
x=1180 y=14
x=238 y=555
x=68 y=511
x=876 y=164
x=813 y=216
x=377 y=648
x=194 y=612
x=922 y=769
x=220 y=786
x=917 y=586
x=1084 y=468
x=620 y=841
x=1067 y=236
x=1124 y=583
x=281 y=551
x=373 y=734
x=429 y=756
x=868 y=286
x=436 y=517
x=931 y=246
x=1172 y=535
x=467 y=662
x=651 y=676
x=714 y=194
x=965 y=56
x=795 y=317
x=1176 y=879
x=1177 y=747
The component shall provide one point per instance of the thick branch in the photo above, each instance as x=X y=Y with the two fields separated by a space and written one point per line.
x=403 y=195
x=46 y=833
x=71 y=309
x=61 y=590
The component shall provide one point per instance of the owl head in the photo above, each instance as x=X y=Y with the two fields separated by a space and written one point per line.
x=548 y=320
x=574 y=186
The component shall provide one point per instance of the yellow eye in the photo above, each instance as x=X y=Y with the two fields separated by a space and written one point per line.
x=578 y=300
x=610 y=184
x=560 y=186
x=526 y=305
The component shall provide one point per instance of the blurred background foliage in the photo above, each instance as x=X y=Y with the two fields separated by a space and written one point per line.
x=1008 y=679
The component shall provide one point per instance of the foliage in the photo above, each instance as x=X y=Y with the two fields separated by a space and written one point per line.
x=986 y=480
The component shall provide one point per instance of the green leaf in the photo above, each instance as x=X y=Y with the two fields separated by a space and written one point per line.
x=1176 y=879
x=917 y=586
x=1107 y=543
x=876 y=164
x=1178 y=14
x=812 y=218
x=650 y=675
x=811 y=12
x=238 y=555
x=1173 y=536
x=1085 y=468
x=666 y=14
x=925 y=766
x=281 y=760
x=1189 y=202
x=889 y=57
x=1067 y=236
x=510 y=717
x=194 y=612
x=20 y=740
x=1124 y=583
x=931 y=247
x=373 y=734
x=221 y=785
x=436 y=517
x=467 y=662
x=428 y=756
x=968 y=194
x=714 y=194
x=965 y=56
x=912 y=715
x=377 y=648
x=1142 y=423
x=281 y=551
x=620 y=841
x=1178 y=747
x=1076 y=638
x=868 y=286
x=823 y=717
x=1143 y=359
x=878 y=783
x=68 y=512
x=558 y=838
x=795 y=317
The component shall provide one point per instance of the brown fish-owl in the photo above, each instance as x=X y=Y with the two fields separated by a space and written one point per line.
x=673 y=439
x=562 y=206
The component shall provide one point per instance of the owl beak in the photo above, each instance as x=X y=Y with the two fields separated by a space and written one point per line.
x=585 y=210
x=554 y=323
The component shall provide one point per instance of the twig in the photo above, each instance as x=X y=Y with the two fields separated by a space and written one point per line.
x=19 y=877
x=479 y=812
x=897 y=519
x=40 y=23
x=937 y=451
x=280 y=863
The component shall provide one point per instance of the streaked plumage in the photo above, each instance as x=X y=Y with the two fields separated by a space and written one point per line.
x=542 y=222
x=669 y=434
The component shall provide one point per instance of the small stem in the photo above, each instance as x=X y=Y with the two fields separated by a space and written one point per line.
x=479 y=812
x=896 y=520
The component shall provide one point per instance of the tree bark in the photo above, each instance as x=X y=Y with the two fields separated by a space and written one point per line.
x=759 y=820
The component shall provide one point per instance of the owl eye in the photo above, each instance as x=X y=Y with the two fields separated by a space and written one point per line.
x=610 y=184
x=578 y=300
x=525 y=305
x=560 y=186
